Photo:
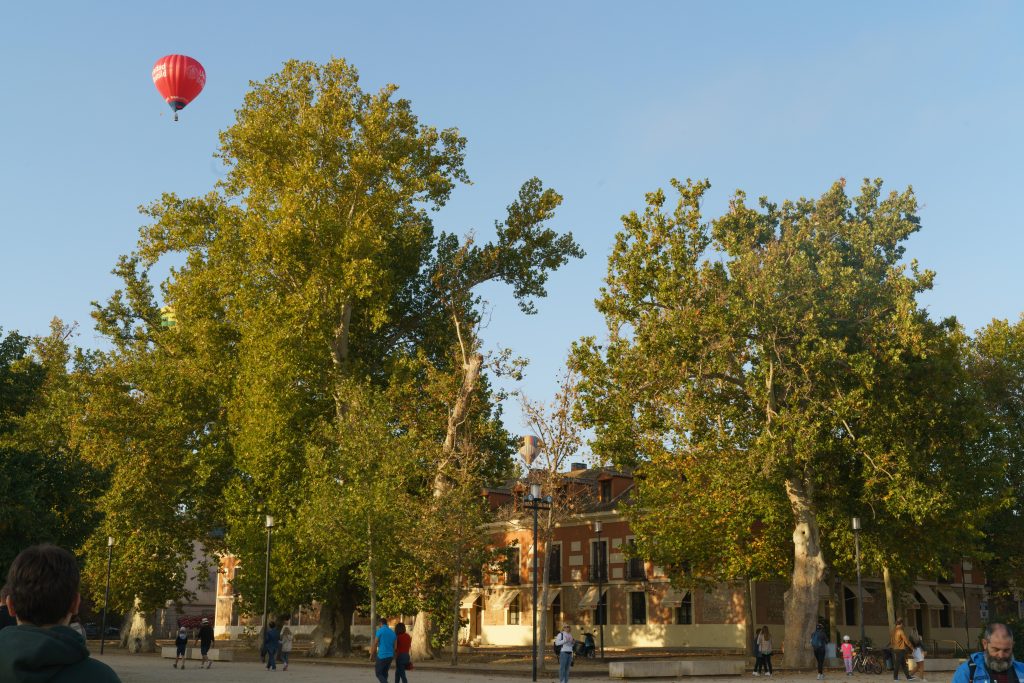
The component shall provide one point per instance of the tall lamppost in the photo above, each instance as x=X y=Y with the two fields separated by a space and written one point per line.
x=266 y=571
x=536 y=503
x=602 y=615
x=963 y=588
x=860 y=588
x=106 y=595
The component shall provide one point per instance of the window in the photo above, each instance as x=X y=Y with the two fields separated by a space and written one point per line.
x=684 y=613
x=599 y=560
x=850 y=606
x=606 y=490
x=946 y=613
x=601 y=613
x=635 y=570
x=555 y=563
x=513 y=612
x=638 y=607
x=512 y=567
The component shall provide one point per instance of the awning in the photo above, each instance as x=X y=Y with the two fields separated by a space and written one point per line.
x=469 y=599
x=865 y=595
x=503 y=599
x=673 y=598
x=928 y=595
x=589 y=599
x=553 y=594
x=952 y=596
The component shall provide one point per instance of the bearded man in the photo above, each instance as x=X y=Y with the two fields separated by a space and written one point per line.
x=995 y=662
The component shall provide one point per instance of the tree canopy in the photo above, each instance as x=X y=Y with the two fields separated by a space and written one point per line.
x=772 y=370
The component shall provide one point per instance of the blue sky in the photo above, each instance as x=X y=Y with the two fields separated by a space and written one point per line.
x=603 y=101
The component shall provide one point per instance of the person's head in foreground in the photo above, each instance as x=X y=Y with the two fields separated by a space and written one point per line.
x=42 y=586
x=42 y=594
x=997 y=642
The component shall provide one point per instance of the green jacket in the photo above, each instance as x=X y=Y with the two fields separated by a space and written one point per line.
x=29 y=654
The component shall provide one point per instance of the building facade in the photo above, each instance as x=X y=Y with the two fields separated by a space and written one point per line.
x=592 y=578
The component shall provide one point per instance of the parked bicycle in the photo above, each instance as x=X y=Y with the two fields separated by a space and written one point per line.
x=865 y=661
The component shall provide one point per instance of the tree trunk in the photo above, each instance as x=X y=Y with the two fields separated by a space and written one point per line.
x=456 y=590
x=421 y=647
x=421 y=635
x=801 y=600
x=542 y=608
x=748 y=586
x=890 y=602
x=139 y=637
x=333 y=635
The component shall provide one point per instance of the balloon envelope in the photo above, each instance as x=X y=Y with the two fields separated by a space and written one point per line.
x=179 y=79
x=530 y=448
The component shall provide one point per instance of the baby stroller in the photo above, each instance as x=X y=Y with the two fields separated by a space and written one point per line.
x=587 y=647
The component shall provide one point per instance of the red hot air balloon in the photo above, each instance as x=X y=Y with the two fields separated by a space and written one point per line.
x=179 y=79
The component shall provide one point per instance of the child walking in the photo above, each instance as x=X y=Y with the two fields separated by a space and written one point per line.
x=846 y=649
x=180 y=643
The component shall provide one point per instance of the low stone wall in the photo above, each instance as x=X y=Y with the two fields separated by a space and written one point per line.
x=216 y=654
x=673 y=668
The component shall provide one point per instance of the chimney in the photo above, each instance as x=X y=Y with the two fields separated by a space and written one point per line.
x=579 y=466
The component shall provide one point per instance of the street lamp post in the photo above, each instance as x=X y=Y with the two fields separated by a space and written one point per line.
x=860 y=588
x=266 y=571
x=535 y=502
x=601 y=608
x=106 y=595
x=963 y=588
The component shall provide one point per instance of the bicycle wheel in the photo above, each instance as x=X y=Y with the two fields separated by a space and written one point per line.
x=858 y=664
x=876 y=666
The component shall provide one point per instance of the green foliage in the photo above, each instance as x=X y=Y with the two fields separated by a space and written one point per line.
x=321 y=339
x=997 y=367
x=47 y=488
x=773 y=364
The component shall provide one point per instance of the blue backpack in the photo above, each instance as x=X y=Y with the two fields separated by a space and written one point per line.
x=818 y=638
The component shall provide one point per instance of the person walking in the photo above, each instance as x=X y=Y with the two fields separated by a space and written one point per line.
x=764 y=652
x=995 y=662
x=383 y=650
x=271 y=641
x=846 y=650
x=403 y=644
x=918 y=656
x=900 y=645
x=180 y=644
x=287 y=642
x=819 y=641
x=205 y=641
x=564 y=642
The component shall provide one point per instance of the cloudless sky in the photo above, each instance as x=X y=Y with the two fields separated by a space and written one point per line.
x=603 y=101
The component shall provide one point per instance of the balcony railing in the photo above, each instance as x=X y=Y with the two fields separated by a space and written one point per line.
x=597 y=573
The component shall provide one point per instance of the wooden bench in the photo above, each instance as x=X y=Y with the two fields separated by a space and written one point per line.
x=216 y=654
x=673 y=668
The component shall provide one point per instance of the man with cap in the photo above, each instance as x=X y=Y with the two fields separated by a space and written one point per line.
x=205 y=641
x=995 y=662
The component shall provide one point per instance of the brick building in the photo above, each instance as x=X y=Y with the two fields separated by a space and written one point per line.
x=642 y=609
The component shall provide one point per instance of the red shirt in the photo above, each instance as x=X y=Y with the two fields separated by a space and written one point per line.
x=403 y=644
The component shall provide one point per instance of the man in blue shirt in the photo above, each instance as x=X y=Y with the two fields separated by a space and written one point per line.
x=384 y=650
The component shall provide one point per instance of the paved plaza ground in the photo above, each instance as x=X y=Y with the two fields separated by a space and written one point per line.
x=153 y=669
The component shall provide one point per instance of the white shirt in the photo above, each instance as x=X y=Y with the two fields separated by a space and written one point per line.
x=566 y=640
